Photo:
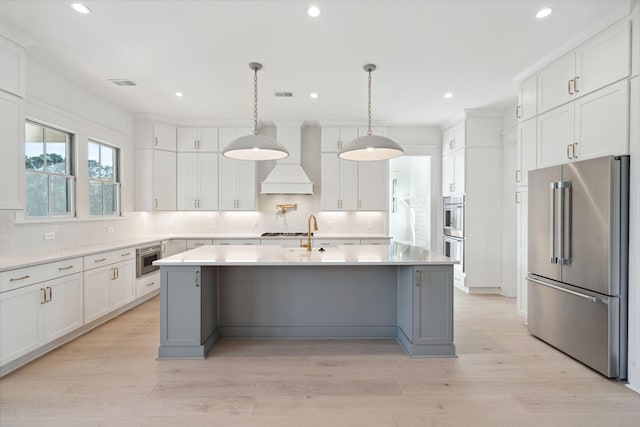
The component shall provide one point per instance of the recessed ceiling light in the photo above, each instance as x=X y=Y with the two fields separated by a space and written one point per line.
x=313 y=11
x=544 y=12
x=80 y=8
x=179 y=94
x=448 y=95
x=314 y=95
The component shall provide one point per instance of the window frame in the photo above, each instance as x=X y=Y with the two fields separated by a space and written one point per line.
x=117 y=154
x=69 y=176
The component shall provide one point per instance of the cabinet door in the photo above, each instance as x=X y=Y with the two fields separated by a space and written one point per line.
x=123 y=287
x=208 y=139
x=12 y=72
x=164 y=177
x=527 y=98
x=526 y=152
x=187 y=138
x=349 y=134
x=604 y=59
x=448 y=140
x=64 y=307
x=555 y=134
x=522 y=245
x=348 y=185
x=181 y=321
x=173 y=246
x=188 y=181
x=448 y=177
x=602 y=122
x=20 y=322
x=165 y=136
x=330 y=182
x=373 y=185
x=554 y=85
x=11 y=151
x=96 y=292
x=330 y=140
x=208 y=181
x=246 y=185
x=433 y=305
x=458 y=171
x=228 y=186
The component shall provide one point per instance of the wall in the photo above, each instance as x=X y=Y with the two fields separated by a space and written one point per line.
x=508 y=286
x=53 y=100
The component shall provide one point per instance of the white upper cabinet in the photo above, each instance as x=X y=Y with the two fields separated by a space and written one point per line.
x=339 y=183
x=602 y=60
x=602 y=123
x=555 y=83
x=237 y=183
x=453 y=175
x=197 y=181
x=373 y=185
x=12 y=71
x=198 y=139
x=333 y=138
x=164 y=136
x=555 y=135
x=453 y=138
x=11 y=151
x=526 y=151
x=527 y=99
x=164 y=180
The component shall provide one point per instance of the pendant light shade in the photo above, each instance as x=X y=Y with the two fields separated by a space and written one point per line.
x=370 y=147
x=255 y=147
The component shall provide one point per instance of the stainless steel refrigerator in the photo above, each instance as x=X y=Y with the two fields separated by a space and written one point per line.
x=578 y=260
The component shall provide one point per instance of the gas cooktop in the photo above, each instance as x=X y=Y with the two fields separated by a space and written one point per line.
x=280 y=234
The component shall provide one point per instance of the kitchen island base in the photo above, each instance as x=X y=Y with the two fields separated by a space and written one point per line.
x=202 y=303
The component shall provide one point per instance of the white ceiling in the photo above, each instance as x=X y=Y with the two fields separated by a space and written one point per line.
x=475 y=49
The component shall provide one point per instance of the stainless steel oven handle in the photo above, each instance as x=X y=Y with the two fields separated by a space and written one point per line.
x=558 y=288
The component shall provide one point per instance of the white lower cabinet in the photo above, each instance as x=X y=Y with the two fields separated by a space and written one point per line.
x=37 y=314
x=194 y=243
x=147 y=284
x=173 y=246
x=109 y=287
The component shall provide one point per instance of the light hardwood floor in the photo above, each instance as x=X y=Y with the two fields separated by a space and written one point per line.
x=502 y=377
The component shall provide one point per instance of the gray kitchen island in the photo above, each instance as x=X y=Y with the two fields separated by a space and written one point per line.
x=359 y=291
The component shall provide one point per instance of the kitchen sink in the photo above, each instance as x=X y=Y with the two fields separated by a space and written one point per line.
x=282 y=234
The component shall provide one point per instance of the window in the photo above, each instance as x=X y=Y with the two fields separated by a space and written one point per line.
x=104 y=188
x=49 y=172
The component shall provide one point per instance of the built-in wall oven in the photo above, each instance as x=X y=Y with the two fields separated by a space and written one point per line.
x=453 y=216
x=145 y=257
x=453 y=247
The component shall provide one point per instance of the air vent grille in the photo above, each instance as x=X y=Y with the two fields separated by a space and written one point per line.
x=122 y=82
x=284 y=94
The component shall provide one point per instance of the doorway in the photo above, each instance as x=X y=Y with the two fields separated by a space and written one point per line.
x=410 y=200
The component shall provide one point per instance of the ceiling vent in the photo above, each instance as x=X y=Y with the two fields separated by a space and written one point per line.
x=122 y=82
x=284 y=94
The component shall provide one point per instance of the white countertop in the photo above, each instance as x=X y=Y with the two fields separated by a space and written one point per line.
x=19 y=261
x=236 y=255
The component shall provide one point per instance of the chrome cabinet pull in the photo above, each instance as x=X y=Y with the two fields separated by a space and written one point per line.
x=156 y=140
x=197 y=279
x=517 y=197
x=15 y=279
x=418 y=278
x=117 y=273
x=44 y=296
x=518 y=110
x=518 y=174
x=128 y=253
x=574 y=149
x=155 y=203
x=151 y=284
x=65 y=268
x=569 y=156
x=569 y=87
x=99 y=260
x=50 y=294
x=575 y=85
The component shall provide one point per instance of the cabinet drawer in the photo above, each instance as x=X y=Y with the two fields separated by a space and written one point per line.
x=324 y=243
x=196 y=243
x=108 y=257
x=236 y=241
x=147 y=284
x=375 y=241
x=20 y=277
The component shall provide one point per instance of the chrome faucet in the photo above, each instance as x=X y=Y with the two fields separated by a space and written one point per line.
x=315 y=228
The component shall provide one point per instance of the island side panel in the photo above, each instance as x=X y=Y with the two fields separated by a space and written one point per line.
x=405 y=302
x=308 y=301
x=187 y=312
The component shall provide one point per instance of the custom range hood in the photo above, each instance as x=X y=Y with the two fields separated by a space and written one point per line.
x=288 y=177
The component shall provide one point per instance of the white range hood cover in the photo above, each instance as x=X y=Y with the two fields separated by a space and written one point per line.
x=288 y=177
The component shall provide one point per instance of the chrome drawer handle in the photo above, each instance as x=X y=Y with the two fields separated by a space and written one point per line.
x=99 y=260
x=128 y=253
x=151 y=284
x=15 y=279
x=65 y=268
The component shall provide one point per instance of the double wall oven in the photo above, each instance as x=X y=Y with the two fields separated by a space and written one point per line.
x=453 y=230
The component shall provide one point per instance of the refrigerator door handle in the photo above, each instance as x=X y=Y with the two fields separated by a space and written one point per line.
x=565 y=215
x=558 y=288
x=552 y=223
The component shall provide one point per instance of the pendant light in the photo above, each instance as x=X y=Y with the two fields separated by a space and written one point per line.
x=370 y=147
x=255 y=147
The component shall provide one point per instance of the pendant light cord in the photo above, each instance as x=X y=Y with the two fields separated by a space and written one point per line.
x=255 y=101
x=369 y=131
